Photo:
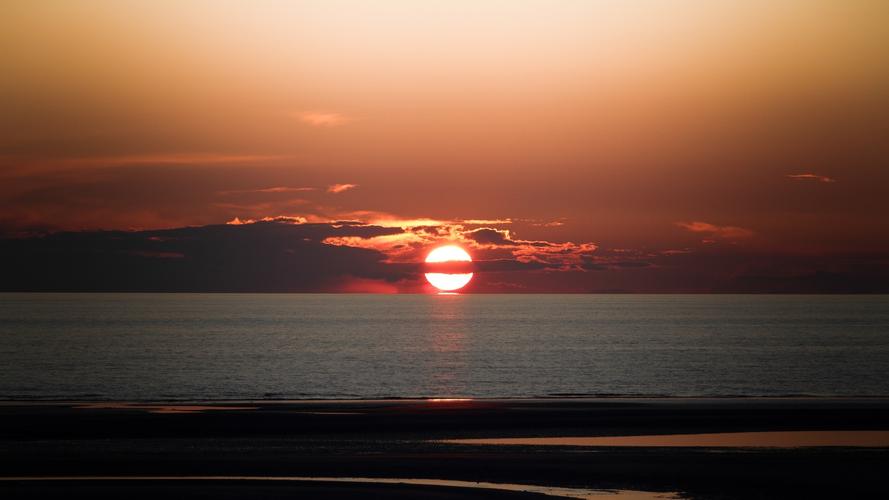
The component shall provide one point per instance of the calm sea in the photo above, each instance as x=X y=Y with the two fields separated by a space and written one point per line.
x=258 y=346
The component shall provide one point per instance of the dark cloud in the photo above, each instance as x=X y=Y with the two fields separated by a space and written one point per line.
x=275 y=255
x=631 y=263
x=489 y=266
x=271 y=256
x=612 y=260
x=509 y=265
x=489 y=236
x=604 y=265
x=757 y=272
x=282 y=256
x=811 y=282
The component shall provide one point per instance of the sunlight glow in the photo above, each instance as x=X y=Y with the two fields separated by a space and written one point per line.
x=448 y=282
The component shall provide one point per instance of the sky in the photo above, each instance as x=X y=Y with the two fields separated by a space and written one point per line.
x=580 y=146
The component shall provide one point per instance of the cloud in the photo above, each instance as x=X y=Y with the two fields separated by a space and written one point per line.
x=339 y=188
x=545 y=223
x=631 y=264
x=724 y=232
x=276 y=256
x=810 y=177
x=617 y=259
x=484 y=243
x=510 y=265
x=168 y=159
x=294 y=255
x=323 y=119
x=553 y=255
x=245 y=201
x=253 y=209
x=489 y=236
x=281 y=218
x=486 y=222
x=275 y=189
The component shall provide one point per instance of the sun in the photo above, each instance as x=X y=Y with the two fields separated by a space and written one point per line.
x=448 y=282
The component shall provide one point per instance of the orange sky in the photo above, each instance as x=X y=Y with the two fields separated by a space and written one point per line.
x=645 y=126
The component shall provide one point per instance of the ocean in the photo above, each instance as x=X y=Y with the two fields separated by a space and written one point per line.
x=306 y=346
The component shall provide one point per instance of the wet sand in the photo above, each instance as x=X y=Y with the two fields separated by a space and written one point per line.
x=457 y=488
x=403 y=439
x=774 y=439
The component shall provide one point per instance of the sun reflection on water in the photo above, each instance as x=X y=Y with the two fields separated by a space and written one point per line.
x=446 y=349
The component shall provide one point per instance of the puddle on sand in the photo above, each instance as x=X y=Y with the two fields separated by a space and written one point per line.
x=585 y=494
x=774 y=439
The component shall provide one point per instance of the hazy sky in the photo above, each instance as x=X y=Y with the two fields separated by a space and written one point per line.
x=635 y=128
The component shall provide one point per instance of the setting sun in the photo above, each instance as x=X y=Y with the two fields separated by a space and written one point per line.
x=448 y=282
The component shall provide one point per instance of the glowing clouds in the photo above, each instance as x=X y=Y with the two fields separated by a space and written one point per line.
x=323 y=119
x=453 y=258
x=339 y=188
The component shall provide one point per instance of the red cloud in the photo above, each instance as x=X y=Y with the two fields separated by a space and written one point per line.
x=485 y=243
x=275 y=189
x=810 y=177
x=484 y=222
x=339 y=188
x=725 y=232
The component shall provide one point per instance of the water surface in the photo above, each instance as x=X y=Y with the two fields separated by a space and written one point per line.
x=266 y=346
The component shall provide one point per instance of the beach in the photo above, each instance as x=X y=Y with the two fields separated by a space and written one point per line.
x=278 y=448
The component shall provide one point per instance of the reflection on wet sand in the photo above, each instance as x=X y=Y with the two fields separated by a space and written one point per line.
x=773 y=439
x=584 y=494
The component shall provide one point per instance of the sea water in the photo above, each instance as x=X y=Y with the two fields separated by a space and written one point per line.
x=302 y=346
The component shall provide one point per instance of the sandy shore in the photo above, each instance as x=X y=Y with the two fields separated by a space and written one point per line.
x=403 y=439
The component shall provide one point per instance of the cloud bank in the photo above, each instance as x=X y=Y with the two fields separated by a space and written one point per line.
x=290 y=254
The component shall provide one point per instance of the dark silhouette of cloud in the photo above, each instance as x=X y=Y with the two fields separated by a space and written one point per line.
x=290 y=255
x=605 y=263
x=509 y=265
x=489 y=236
x=274 y=256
